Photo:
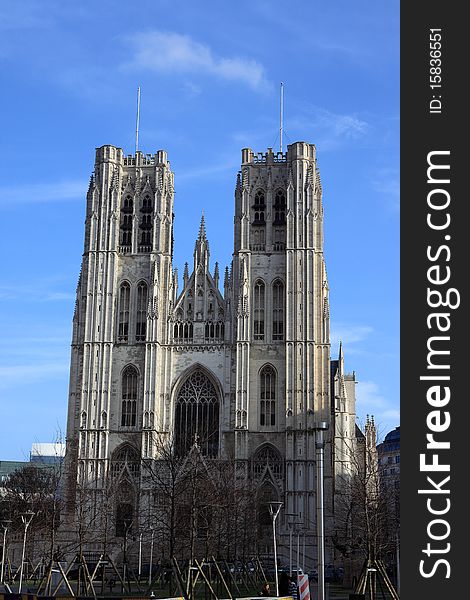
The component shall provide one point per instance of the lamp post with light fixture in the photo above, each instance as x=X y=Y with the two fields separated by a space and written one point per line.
x=320 y=427
x=274 y=508
x=26 y=518
x=5 y=524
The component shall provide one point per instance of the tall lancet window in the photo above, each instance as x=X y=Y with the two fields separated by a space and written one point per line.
x=124 y=304
x=146 y=223
x=141 y=324
x=258 y=310
x=267 y=397
x=197 y=416
x=259 y=208
x=126 y=221
x=278 y=310
x=279 y=208
x=279 y=221
x=129 y=397
x=258 y=224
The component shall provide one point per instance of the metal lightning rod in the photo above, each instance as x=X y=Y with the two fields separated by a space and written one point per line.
x=281 y=115
x=137 y=121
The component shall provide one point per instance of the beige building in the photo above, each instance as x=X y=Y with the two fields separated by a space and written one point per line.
x=238 y=363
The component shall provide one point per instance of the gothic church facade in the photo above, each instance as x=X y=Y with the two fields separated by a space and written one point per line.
x=238 y=364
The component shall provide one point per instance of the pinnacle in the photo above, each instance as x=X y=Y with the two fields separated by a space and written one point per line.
x=202 y=228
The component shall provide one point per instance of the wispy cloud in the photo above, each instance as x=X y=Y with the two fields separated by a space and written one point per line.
x=349 y=334
x=329 y=129
x=170 y=52
x=207 y=172
x=33 y=294
x=371 y=401
x=26 y=373
x=60 y=191
x=386 y=182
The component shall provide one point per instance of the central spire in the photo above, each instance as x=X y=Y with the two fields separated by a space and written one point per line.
x=201 y=250
x=202 y=228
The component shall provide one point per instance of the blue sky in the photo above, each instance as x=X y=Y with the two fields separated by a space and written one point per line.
x=210 y=74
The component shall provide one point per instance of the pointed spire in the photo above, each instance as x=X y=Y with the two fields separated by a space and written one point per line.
x=202 y=228
x=216 y=275
x=201 y=249
x=226 y=277
x=185 y=274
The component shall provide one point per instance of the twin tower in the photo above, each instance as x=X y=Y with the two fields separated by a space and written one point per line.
x=237 y=364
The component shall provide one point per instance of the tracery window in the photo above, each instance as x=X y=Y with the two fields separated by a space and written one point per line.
x=125 y=460
x=126 y=221
x=142 y=300
x=147 y=204
x=267 y=397
x=129 y=397
x=258 y=310
x=267 y=459
x=259 y=208
x=124 y=305
x=197 y=416
x=279 y=208
x=278 y=310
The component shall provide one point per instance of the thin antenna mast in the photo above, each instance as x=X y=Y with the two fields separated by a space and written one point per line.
x=137 y=121
x=281 y=115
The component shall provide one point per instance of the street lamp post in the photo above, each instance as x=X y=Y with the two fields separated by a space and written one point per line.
x=291 y=526
x=26 y=517
x=151 y=556
x=274 y=508
x=5 y=525
x=320 y=427
x=140 y=554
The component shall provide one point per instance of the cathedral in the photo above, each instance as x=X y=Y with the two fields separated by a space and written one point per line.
x=234 y=363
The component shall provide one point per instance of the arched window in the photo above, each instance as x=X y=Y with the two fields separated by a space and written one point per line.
x=128 y=204
x=124 y=304
x=147 y=204
x=141 y=323
x=146 y=224
x=126 y=221
x=258 y=310
x=267 y=397
x=258 y=230
x=278 y=310
x=129 y=397
x=279 y=208
x=259 y=208
x=197 y=416
x=125 y=461
x=267 y=461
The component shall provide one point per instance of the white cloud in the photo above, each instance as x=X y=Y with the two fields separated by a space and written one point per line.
x=206 y=172
x=26 y=373
x=371 y=401
x=329 y=129
x=33 y=294
x=43 y=192
x=349 y=334
x=169 y=52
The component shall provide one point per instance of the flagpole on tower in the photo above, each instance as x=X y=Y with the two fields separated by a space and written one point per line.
x=137 y=121
x=281 y=114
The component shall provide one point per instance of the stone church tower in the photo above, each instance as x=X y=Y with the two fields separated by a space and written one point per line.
x=244 y=372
